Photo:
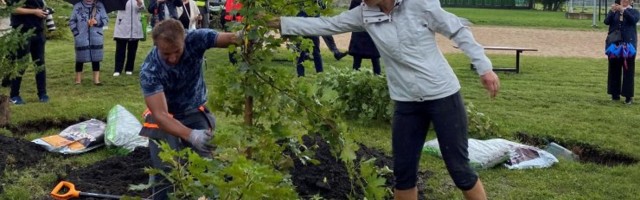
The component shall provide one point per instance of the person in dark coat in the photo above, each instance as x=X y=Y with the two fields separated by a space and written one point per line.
x=304 y=55
x=29 y=15
x=163 y=9
x=620 y=80
x=361 y=46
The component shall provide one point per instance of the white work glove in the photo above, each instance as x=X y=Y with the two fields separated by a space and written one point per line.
x=199 y=139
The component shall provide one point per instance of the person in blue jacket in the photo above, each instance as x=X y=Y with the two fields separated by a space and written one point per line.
x=86 y=22
x=621 y=71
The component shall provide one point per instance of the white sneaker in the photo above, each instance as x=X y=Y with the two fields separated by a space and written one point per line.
x=116 y=73
x=128 y=73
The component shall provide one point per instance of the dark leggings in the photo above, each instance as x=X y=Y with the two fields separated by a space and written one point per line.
x=131 y=47
x=35 y=47
x=410 y=125
x=94 y=65
x=375 y=62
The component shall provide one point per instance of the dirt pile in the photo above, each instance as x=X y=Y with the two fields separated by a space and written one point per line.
x=114 y=175
x=18 y=154
x=330 y=178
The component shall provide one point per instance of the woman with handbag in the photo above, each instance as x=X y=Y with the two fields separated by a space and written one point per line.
x=620 y=49
x=127 y=33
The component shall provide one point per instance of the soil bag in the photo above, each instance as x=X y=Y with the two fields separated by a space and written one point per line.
x=75 y=139
x=122 y=129
x=484 y=154
x=527 y=157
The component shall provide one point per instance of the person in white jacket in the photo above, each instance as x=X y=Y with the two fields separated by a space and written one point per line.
x=189 y=14
x=127 y=33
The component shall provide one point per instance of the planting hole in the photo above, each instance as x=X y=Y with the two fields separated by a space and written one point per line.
x=586 y=152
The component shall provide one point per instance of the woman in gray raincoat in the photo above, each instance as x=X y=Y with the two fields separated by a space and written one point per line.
x=87 y=19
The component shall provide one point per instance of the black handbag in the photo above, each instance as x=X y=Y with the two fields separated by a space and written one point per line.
x=614 y=37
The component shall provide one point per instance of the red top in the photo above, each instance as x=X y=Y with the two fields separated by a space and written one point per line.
x=231 y=6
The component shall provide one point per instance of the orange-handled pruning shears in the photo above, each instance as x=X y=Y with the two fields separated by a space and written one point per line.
x=73 y=193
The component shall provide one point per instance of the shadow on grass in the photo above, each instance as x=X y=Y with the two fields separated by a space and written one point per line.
x=586 y=152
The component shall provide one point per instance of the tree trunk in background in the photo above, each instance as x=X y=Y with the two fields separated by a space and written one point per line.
x=248 y=110
x=5 y=112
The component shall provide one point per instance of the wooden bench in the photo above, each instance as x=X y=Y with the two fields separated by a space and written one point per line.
x=518 y=50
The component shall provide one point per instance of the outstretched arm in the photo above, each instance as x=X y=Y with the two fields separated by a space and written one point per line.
x=157 y=104
x=225 y=39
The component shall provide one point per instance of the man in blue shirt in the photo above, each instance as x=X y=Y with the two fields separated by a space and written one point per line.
x=173 y=85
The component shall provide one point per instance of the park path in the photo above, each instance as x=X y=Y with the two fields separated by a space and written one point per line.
x=563 y=43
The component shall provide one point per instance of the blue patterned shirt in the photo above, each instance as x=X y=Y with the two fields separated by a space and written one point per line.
x=183 y=84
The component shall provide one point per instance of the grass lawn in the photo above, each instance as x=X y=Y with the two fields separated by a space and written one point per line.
x=559 y=99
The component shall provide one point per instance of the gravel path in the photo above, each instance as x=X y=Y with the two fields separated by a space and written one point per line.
x=562 y=43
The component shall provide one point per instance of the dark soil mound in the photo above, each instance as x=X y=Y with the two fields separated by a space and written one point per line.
x=18 y=154
x=330 y=178
x=114 y=175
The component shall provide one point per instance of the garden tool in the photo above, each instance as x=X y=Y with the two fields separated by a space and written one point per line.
x=73 y=193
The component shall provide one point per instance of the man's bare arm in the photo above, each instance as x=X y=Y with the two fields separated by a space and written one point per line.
x=157 y=104
x=31 y=11
x=225 y=39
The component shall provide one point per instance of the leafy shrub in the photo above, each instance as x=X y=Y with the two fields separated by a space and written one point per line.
x=194 y=177
x=481 y=126
x=361 y=95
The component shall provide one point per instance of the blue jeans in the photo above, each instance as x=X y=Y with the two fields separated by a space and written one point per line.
x=317 y=58
x=410 y=125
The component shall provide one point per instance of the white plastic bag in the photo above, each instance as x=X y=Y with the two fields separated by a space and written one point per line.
x=122 y=129
x=527 y=157
x=75 y=139
x=483 y=154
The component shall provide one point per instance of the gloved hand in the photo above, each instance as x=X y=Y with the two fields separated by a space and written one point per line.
x=199 y=139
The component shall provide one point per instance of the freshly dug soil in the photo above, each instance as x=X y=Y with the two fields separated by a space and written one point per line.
x=114 y=175
x=330 y=178
x=18 y=153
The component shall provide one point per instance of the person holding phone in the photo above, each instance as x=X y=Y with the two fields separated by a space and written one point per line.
x=29 y=16
x=621 y=70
